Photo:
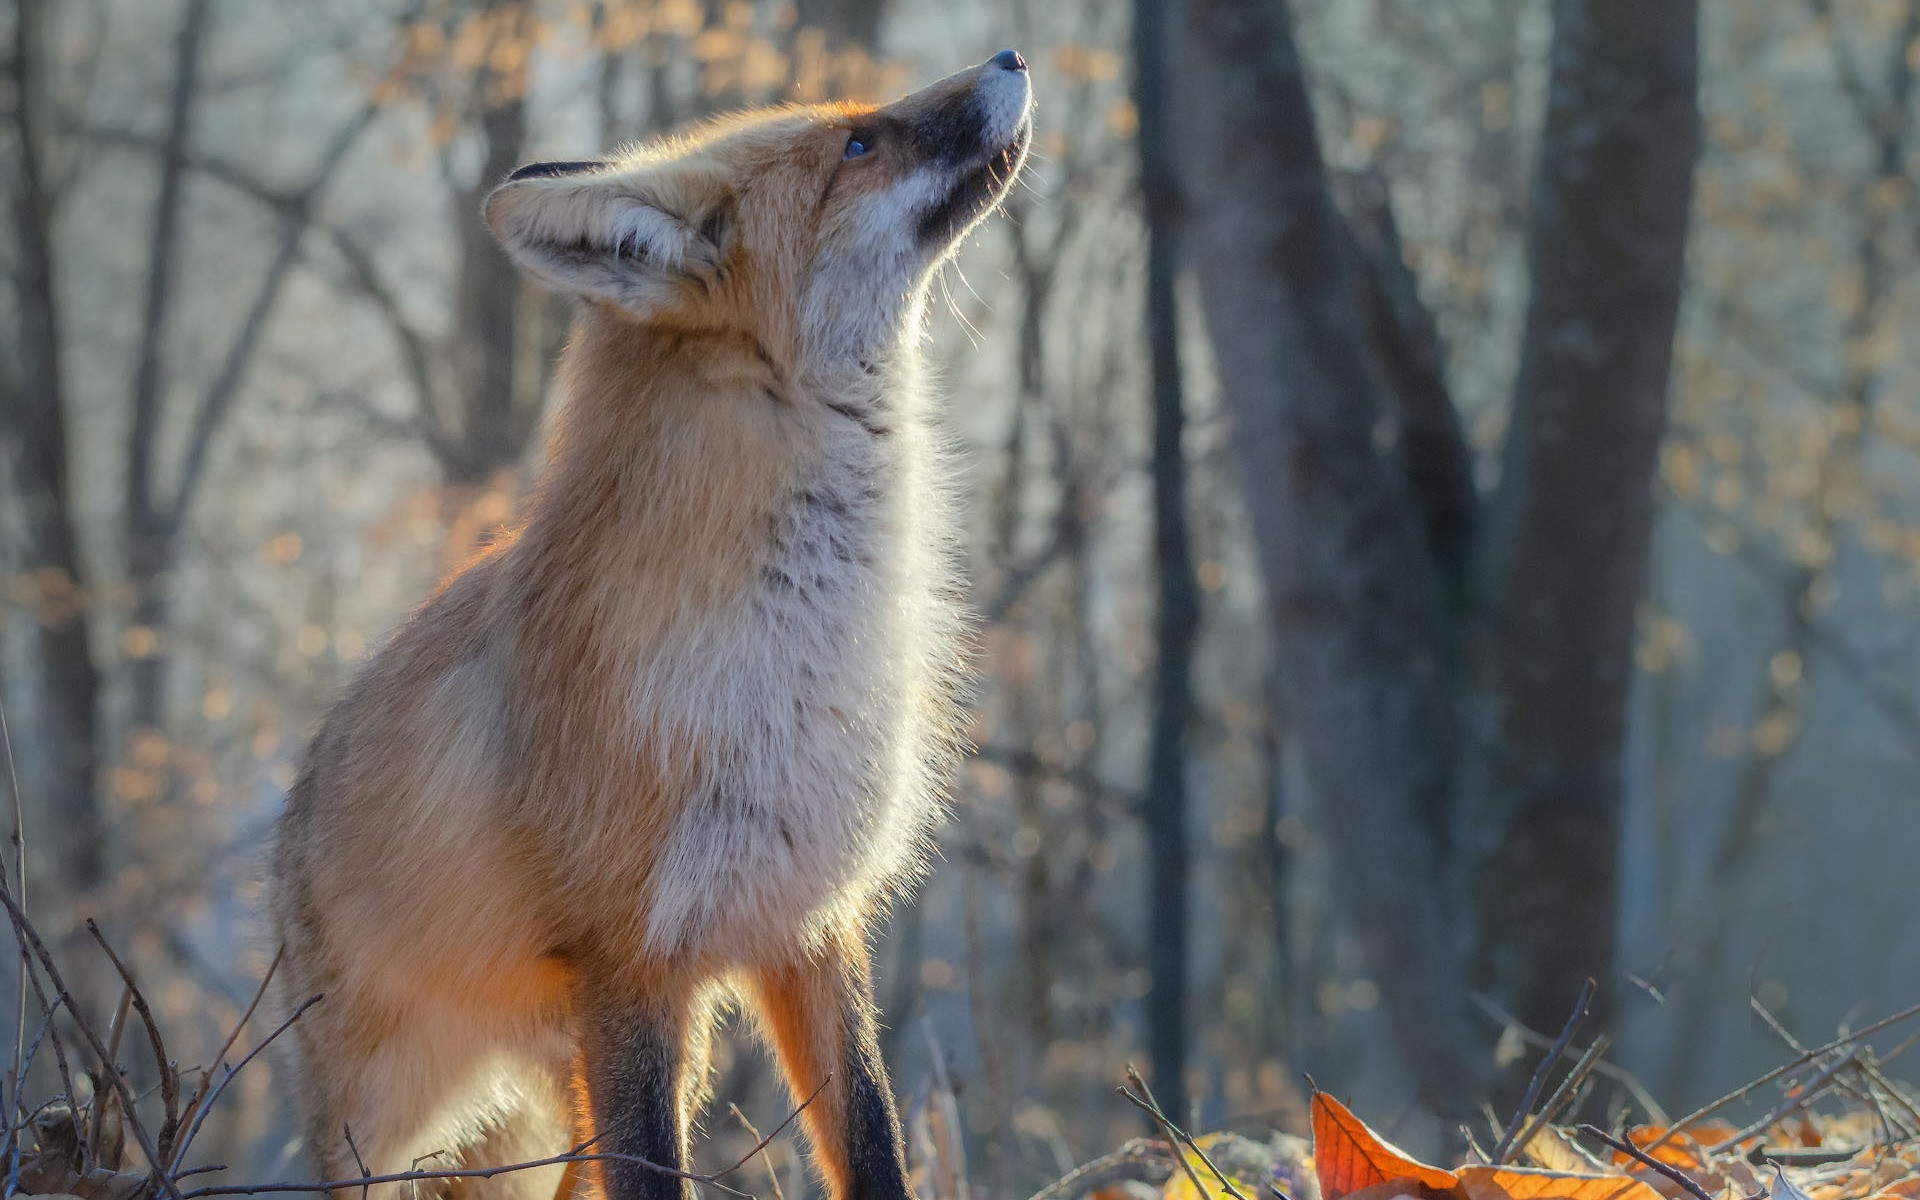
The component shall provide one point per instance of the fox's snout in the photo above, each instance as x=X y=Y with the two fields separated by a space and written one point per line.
x=974 y=125
x=973 y=115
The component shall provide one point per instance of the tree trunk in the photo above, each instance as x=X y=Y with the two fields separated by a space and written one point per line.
x=1178 y=618
x=1564 y=555
x=153 y=526
x=487 y=288
x=1403 y=617
x=1356 y=613
x=35 y=417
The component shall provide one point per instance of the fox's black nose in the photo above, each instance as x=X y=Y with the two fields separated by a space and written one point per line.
x=1009 y=60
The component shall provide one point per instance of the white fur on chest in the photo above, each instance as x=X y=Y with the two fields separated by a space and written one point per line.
x=795 y=696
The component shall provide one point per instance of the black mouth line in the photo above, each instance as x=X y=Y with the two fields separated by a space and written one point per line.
x=979 y=192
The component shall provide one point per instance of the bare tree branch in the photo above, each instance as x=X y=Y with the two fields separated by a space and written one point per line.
x=220 y=395
x=144 y=519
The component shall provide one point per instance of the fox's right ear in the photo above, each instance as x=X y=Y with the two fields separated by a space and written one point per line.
x=637 y=240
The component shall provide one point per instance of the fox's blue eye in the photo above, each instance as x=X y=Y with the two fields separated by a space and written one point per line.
x=855 y=148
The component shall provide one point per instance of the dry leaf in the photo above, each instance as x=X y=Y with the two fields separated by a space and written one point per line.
x=1552 y=1149
x=1685 y=1150
x=1394 y=1189
x=1348 y=1156
x=1784 y=1188
x=45 y=1175
x=1521 y=1183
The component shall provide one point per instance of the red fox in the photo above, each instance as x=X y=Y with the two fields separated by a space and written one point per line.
x=682 y=731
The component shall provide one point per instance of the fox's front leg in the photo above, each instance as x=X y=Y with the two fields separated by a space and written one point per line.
x=633 y=1063
x=818 y=1011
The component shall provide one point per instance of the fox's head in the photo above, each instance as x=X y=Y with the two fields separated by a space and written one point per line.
x=815 y=229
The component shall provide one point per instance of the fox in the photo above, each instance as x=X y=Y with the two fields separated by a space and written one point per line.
x=676 y=739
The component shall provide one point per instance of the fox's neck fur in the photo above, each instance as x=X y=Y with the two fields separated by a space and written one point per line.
x=720 y=544
x=674 y=453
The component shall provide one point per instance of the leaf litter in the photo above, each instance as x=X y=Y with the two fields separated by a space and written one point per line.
x=1832 y=1125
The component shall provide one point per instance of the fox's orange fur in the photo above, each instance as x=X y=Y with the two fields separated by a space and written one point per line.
x=685 y=728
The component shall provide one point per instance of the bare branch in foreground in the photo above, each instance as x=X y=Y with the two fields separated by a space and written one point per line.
x=1142 y=1158
x=1176 y=1136
x=777 y=1129
x=169 y=1079
x=30 y=937
x=773 y=1176
x=366 y=1181
x=1504 y=1149
x=1646 y=1159
x=213 y=1097
x=1619 y=1075
x=1701 y=1114
x=192 y=1110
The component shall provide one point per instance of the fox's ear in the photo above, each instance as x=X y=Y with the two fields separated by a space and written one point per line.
x=637 y=239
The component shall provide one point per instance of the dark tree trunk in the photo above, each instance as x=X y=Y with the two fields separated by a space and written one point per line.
x=35 y=419
x=487 y=291
x=152 y=525
x=1402 y=615
x=1359 y=636
x=1564 y=554
x=1178 y=619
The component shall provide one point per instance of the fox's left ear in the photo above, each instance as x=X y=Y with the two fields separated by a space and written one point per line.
x=637 y=239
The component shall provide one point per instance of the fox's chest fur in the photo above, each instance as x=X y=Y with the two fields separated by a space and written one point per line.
x=798 y=689
x=770 y=750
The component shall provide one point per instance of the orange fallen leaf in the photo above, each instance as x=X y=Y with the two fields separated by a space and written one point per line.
x=1347 y=1156
x=1523 y=1183
x=1685 y=1150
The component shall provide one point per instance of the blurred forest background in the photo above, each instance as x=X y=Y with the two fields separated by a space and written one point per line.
x=1443 y=490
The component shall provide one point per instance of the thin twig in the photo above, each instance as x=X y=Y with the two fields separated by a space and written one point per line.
x=206 y=1076
x=24 y=929
x=773 y=1176
x=117 y=1028
x=169 y=1081
x=13 y=1130
x=1473 y=1144
x=777 y=1129
x=1863 y=1066
x=1581 y=1006
x=1806 y=1095
x=1533 y=1037
x=254 y=1189
x=213 y=1097
x=1646 y=1159
x=210 y=1167
x=97 y=1126
x=47 y=1011
x=1143 y=1159
x=1173 y=1143
x=1701 y=1114
x=346 y=1131
x=1907 y=1043
x=20 y=1023
x=1561 y=1095
x=1145 y=1102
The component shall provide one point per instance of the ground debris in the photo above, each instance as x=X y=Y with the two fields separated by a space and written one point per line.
x=1831 y=1125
